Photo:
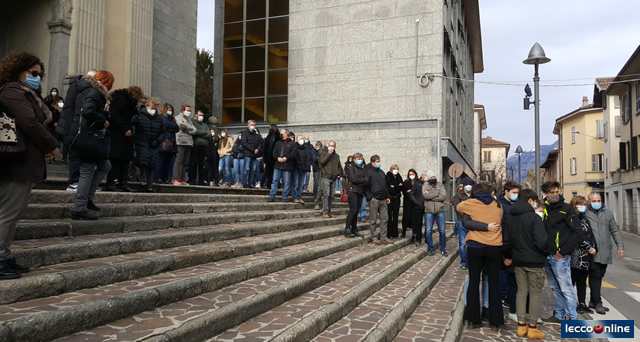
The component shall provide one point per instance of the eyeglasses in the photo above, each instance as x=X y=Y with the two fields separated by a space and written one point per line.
x=35 y=73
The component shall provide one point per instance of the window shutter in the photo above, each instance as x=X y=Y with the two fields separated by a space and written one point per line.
x=593 y=163
x=623 y=155
x=618 y=123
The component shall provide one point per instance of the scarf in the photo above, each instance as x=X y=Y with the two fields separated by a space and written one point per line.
x=43 y=106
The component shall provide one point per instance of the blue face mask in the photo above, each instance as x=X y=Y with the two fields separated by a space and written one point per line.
x=169 y=112
x=32 y=82
x=582 y=208
x=378 y=165
x=596 y=205
x=359 y=161
x=513 y=198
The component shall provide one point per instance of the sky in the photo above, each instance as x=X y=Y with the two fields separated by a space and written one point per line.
x=585 y=39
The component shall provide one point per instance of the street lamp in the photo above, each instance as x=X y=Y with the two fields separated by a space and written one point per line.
x=519 y=151
x=536 y=57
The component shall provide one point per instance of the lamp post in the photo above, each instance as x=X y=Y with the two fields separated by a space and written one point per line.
x=536 y=57
x=519 y=151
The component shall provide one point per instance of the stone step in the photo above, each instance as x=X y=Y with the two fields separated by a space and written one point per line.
x=90 y=271
x=242 y=288
x=45 y=228
x=438 y=317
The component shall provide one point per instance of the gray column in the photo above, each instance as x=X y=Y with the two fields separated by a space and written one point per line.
x=218 y=52
x=60 y=30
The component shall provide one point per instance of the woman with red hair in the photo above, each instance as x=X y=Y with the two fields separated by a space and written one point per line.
x=91 y=112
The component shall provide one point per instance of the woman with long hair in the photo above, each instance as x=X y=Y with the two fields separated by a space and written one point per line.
x=394 y=184
x=238 y=162
x=225 y=145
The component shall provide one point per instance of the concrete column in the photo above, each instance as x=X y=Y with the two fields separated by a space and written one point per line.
x=218 y=52
x=139 y=44
x=87 y=37
x=60 y=30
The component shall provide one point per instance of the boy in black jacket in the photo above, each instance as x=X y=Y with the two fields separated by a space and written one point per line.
x=526 y=247
x=563 y=235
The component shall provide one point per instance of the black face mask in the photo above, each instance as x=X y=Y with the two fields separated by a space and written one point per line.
x=433 y=181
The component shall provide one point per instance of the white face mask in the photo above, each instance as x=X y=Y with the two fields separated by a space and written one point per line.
x=60 y=105
x=395 y=172
x=213 y=134
x=201 y=118
x=187 y=113
x=300 y=142
x=412 y=177
x=151 y=112
x=467 y=188
x=223 y=134
x=540 y=213
x=53 y=93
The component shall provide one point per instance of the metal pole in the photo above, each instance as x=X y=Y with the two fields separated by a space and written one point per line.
x=519 y=171
x=453 y=192
x=536 y=85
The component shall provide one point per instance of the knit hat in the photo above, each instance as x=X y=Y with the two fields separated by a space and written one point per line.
x=467 y=181
x=431 y=174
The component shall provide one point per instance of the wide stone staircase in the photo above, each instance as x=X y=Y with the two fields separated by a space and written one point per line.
x=218 y=264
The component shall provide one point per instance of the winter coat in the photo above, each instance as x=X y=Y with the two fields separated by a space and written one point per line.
x=415 y=195
x=347 y=166
x=377 y=187
x=284 y=149
x=525 y=238
x=506 y=209
x=580 y=258
x=604 y=228
x=66 y=116
x=396 y=181
x=330 y=166
x=185 y=138
x=267 y=148
x=313 y=157
x=477 y=214
x=460 y=196
x=301 y=156
x=149 y=133
x=55 y=118
x=90 y=104
x=358 y=179
x=170 y=130
x=434 y=197
x=121 y=110
x=251 y=141
x=563 y=227
x=225 y=145
x=32 y=116
x=236 y=151
x=203 y=134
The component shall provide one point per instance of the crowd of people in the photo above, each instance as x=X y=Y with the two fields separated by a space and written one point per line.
x=509 y=239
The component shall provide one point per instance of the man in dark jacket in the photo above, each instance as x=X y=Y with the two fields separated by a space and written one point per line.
x=303 y=165
x=460 y=196
x=508 y=285
x=251 y=141
x=285 y=163
x=330 y=171
x=315 y=166
x=377 y=194
x=526 y=247
x=320 y=194
x=564 y=233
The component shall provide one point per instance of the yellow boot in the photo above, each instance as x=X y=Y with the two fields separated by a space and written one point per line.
x=534 y=333
x=522 y=330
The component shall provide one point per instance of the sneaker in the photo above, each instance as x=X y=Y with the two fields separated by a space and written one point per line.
x=376 y=241
x=296 y=201
x=317 y=207
x=593 y=306
x=8 y=272
x=17 y=267
x=184 y=183
x=505 y=304
x=600 y=309
x=92 y=206
x=257 y=185
x=301 y=201
x=325 y=215
x=270 y=199
x=72 y=187
x=387 y=242
x=463 y=267
x=176 y=182
x=430 y=252
x=98 y=189
x=83 y=215
x=552 y=320
x=332 y=215
x=444 y=253
x=513 y=317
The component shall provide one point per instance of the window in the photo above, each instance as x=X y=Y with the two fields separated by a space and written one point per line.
x=487 y=156
x=488 y=176
x=574 y=193
x=616 y=102
x=573 y=166
x=605 y=129
x=597 y=161
x=573 y=134
x=623 y=155
x=599 y=129
x=618 y=124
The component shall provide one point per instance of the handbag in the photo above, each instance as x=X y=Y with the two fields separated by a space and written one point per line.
x=344 y=197
x=12 y=143
x=90 y=144
x=168 y=146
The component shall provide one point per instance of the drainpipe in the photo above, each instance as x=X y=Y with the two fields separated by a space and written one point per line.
x=439 y=153
x=631 y=128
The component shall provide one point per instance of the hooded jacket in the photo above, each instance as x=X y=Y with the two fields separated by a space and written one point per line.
x=563 y=227
x=525 y=237
x=604 y=227
x=90 y=103
x=66 y=115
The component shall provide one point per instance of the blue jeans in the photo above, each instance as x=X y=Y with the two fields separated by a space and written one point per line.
x=224 y=168
x=462 y=236
x=559 y=276
x=363 y=209
x=316 y=179
x=238 y=167
x=338 y=188
x=250 y=171
x=428 y=227
x=307 y=177
x=286 y=182
x=485 y=290
x=297 y=181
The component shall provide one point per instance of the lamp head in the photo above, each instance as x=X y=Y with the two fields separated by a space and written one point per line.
x=519 y=149
x=536 y=55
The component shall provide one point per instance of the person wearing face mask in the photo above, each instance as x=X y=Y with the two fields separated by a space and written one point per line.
x=122 y=109
x=377 y=193
x=564 y=233
x=413 y=207
x=394 y=186
x=251 y=142
x=461 y=196
x=225 y=145
x=267 y=148
x=508 y=285
x=20 y=75
x=315 y=167
x=525 y=243
x=184 y=140
x=582 y=256
x=168 y=148
x=307 y=177
x=303 y=165
x=52 y=101
x=358 y=182
x=320 y=193
x=149 y=132
x=330 y=171
x=434 y=196
x=283 y=152
x=238 y=162
x=198 y=162
x=604 y=228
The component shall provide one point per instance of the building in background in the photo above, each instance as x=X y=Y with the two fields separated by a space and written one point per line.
x=479 y=125
x=551 y=167
x=149 y=43
x=581 y=150
x=494 y=162
x=623 y=193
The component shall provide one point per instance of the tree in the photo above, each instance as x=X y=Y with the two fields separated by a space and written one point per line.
x=204 y=81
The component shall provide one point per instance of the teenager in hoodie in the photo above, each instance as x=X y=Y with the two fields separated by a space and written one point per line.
x=526 y=248
x=508 y=285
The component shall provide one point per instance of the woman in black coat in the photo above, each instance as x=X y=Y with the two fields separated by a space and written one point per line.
x=582 y=255
x=358 y=181
x=149 y=134
x=168 y=148
x=394 y=186
x=407 y=204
